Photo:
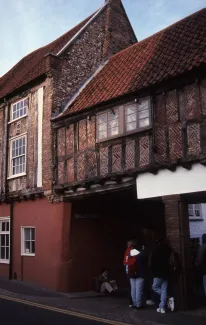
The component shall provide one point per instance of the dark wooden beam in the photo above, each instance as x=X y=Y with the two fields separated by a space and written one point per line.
x=98 y=191
x=203 y=162
x=55 y=158
x=153 y=170
x=172 y=167
x=75 y=150
x=187 y=165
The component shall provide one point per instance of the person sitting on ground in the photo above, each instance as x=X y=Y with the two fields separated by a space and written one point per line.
x=107 y=286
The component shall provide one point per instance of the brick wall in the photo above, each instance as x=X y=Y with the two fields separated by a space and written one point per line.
x=177 y=231
x=109 y=33
x=179 y=117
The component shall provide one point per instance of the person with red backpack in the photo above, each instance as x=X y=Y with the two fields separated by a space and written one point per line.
x=136 y=272
x=128 y=261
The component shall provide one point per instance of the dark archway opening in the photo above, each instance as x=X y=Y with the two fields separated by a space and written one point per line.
x=101 y=226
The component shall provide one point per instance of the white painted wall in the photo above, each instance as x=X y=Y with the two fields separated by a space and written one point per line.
x=40 y=95
x=169 y=183
x=198 y=228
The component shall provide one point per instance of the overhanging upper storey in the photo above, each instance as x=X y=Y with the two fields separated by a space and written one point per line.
x=143 y=111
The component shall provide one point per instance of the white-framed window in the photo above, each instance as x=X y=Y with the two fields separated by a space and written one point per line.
x=18 y=156
x=28 y=241
x=131 y=117
x=4 y=240
x=128 y=118
x=19 y=109
x=195 y=211
x=108 y=124
x=137 y=115
x=143 y=113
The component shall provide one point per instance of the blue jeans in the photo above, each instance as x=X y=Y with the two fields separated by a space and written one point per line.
x=160 y=287
x=137 y=288
x=204 y=283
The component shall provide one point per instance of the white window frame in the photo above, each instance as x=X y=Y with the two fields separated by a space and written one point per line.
x=12 y=119
x=11 y=175
x=137 y=113
x=108 y=114
x=23 y=253
x=195 y=207
x=122 y=119
x=5 y=219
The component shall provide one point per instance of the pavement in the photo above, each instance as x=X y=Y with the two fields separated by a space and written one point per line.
x=97 y=307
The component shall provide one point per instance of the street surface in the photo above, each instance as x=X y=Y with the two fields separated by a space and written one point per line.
x=16 y=313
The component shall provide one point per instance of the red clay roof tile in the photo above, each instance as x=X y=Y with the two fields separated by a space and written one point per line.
x=168 y=53
x=33 y=65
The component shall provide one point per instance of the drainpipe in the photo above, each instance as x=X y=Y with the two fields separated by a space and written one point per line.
x=11 y=240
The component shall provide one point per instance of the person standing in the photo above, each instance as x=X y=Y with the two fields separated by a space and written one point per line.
x=136 y=272
x=160 y=267
x=201 y=261
x=148 y=276
x=128 y=262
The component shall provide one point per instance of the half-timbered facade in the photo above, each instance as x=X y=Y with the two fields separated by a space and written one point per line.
x=162 y=130
x=142 y=113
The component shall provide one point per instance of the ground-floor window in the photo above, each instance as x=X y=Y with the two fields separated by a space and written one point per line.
x=28 y=241
x=4 y=240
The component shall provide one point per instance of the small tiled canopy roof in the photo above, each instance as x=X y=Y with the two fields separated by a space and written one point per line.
x=168 y=53
x=33 y=65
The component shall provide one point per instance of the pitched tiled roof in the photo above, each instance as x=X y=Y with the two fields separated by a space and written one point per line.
x=168 y=53
x=33 y=65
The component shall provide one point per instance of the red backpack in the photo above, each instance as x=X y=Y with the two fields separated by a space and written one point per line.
x=133 y=268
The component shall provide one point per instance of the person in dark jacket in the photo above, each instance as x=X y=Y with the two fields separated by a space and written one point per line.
x=148 y=277
x=136 y=272
x=160 y=266
x=201 y=260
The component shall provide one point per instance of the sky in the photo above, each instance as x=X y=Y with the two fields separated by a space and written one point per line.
x=26 y=25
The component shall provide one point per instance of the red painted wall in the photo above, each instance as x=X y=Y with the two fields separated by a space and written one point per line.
x=97 y=243
x=50 y=263
x=70 y=252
